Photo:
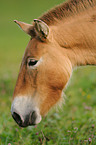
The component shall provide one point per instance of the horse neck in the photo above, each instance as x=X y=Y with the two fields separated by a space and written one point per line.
x=77 y=37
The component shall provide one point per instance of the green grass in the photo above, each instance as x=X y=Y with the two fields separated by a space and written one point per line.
x=75 y=122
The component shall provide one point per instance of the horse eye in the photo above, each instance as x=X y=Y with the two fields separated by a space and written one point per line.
x=32 y=62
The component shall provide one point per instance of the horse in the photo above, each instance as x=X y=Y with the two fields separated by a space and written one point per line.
x=61 y=39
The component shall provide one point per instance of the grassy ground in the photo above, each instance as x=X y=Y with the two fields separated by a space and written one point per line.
x=75 y=122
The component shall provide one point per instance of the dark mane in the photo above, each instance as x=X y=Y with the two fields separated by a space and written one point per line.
x=66 y=9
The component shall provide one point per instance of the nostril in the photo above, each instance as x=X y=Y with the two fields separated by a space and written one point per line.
x=17 y=118
x=28 y=119
x=32 y=118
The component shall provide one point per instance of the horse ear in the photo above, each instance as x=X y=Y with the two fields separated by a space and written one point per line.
x=41 y=28
x=27 y=28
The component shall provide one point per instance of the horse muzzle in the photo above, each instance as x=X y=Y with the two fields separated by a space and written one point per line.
x=25 y=112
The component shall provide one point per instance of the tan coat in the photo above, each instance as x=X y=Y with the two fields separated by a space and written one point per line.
x=70 y=42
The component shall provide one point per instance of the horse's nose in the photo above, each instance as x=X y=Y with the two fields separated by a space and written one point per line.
x=26 y=120
x=17 y=118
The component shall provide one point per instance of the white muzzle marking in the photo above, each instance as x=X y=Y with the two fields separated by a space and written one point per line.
x=24 y=105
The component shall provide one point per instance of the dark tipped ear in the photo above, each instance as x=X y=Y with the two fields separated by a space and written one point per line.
x=27 y=28
x=41 y=28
